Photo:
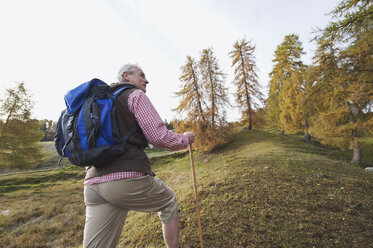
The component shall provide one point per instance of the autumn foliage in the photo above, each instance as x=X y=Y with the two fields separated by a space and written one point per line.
x=332 y=99
x=248 y=91
x=203 y=101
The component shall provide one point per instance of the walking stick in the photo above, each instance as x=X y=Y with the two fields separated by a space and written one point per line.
x=196 y=193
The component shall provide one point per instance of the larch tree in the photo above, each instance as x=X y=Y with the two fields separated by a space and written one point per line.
x=192 y=95
x=272 y=105
x=307 y=100
x=19 y=134
x=321 y=76
x=213 y=82
x=248 y=93
x=287 y=79
x=203 y=98
x=347 y=113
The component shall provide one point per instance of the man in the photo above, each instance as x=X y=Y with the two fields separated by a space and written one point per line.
x=128 y=183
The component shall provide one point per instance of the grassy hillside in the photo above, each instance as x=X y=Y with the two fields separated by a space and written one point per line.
x=262 y=189
x=51 y=156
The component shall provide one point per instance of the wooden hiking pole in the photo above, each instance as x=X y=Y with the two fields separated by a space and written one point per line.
x=196 y=193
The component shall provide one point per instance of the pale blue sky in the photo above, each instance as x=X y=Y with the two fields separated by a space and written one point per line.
x=55 y=45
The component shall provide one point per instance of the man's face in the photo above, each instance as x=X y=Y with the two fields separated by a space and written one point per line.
x=137 y=78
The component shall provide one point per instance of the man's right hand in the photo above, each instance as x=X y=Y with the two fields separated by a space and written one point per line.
x=190 y=136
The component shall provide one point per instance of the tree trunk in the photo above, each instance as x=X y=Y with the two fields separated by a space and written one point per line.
x=249 y=114
x=246 y=92
x=355 y=143
x=357 y=153
x=195 y=82
x=307 y=136
x=212 y=101
x=249 y=109
x=250 y=121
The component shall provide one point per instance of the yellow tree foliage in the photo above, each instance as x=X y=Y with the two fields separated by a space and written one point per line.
x=307 y=100
x=207 y=138
x=259 y=121
x=248 y=92
x=273 y=110
x=203 y=99
x=344 y=67
x=287 y=79
x=191 y=93
x=213 y=83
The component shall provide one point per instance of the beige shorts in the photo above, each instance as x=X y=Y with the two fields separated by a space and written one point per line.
x=107 y=205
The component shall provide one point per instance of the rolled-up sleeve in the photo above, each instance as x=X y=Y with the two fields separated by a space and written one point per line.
x=152 y=125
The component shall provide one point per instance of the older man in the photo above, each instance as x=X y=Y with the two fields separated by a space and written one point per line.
x=128 y=183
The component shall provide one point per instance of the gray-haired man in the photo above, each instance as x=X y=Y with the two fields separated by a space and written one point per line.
x=128 y=183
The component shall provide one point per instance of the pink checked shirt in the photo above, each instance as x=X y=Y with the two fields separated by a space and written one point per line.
x=154 y=130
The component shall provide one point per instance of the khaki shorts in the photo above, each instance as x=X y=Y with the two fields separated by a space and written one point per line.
x=107 y=205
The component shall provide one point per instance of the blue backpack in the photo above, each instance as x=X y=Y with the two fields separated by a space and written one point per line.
x=87 y=131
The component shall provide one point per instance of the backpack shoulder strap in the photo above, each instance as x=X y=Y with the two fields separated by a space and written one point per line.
x=118 y=91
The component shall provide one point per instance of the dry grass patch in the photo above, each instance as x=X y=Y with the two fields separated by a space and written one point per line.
x=50 y=215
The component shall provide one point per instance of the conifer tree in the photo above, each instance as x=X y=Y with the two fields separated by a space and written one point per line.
x=273 y=110
x=19 y=134
x=192 y=95
x=246 y=79
x=213 y=82
x=203 y=99
x=286 y=86
x=307 y=101
x=346 y=115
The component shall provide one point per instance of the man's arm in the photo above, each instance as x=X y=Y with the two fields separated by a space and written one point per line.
x=152 y=125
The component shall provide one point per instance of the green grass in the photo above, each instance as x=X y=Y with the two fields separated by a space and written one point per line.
x=262 y=189
x=367 y=152
x=151 y=152
x=51 y=156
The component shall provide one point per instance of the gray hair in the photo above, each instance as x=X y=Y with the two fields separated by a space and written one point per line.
x=129 y=68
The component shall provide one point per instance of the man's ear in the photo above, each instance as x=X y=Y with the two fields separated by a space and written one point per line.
x=125 y=76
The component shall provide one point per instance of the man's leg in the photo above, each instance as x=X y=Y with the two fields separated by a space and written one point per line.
x=147 y=194
x=171 y=233
x=104 y=222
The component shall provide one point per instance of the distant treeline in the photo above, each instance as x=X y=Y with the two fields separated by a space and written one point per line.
x=48 y=127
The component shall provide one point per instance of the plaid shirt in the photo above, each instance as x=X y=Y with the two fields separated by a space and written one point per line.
x=154 y=130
